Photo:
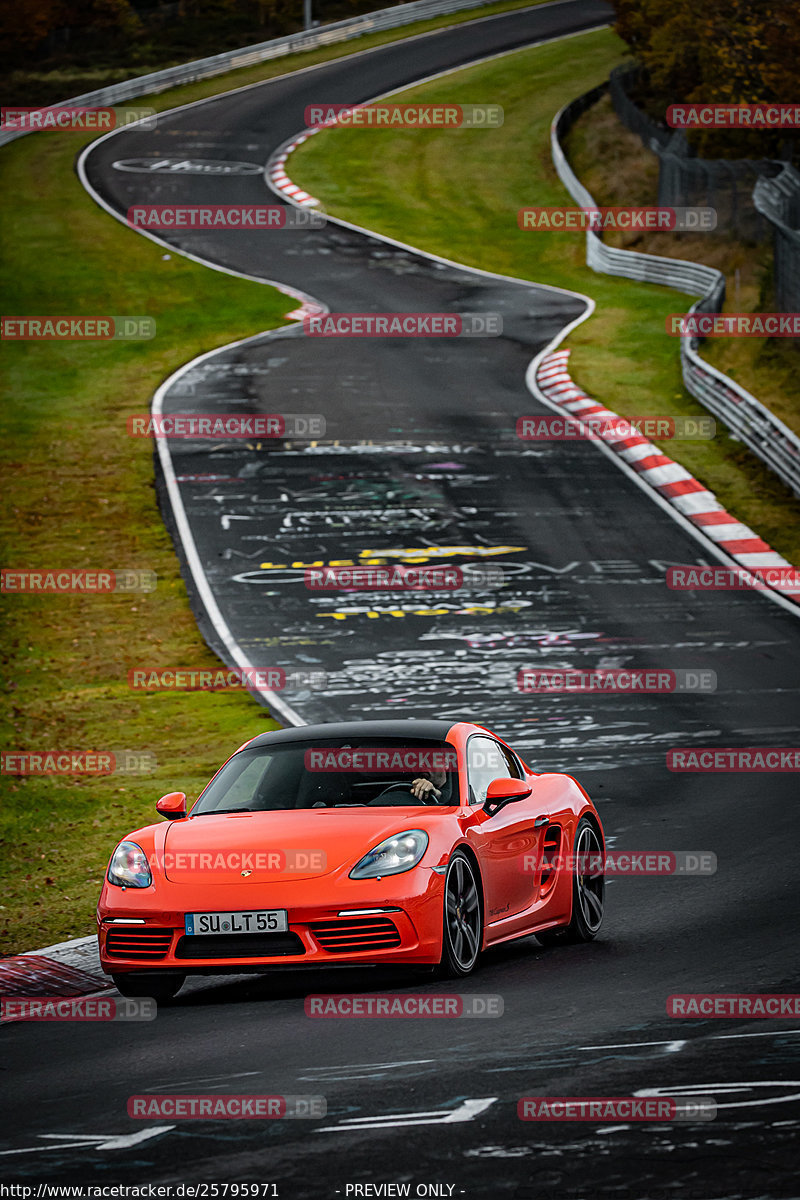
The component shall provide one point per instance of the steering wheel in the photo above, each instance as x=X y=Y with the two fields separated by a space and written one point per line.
x=405 y=787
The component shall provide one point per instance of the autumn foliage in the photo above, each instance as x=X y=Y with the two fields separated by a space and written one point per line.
x=716 y=51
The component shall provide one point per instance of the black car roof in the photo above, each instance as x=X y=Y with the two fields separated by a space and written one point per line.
x=433 y=730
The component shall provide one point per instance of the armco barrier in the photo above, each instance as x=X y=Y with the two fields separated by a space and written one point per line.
x=748 y=419
x=248 y=56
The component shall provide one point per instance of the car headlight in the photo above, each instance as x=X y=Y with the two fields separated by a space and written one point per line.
x=392 y=856
x=129 y=866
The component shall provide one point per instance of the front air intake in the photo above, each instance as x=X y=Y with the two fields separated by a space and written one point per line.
x=239 y=945
x=140 y=942
x=347 y=934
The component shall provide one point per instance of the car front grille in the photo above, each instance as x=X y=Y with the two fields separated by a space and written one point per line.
x=239 y=945
x=138 y=941
x=356 y=933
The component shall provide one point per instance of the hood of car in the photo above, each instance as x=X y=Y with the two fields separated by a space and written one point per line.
x=273 y=847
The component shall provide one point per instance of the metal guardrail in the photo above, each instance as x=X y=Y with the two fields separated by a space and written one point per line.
x=247 y=56
x=747 y=419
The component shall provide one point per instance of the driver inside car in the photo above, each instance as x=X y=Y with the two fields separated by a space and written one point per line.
x=435 y=787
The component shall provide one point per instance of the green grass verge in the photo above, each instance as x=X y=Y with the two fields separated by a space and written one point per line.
x=79 y=493
x=457 y=192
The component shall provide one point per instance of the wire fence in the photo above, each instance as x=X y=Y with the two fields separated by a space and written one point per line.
x=749 y=420
x=726 y=185
x=779 y=201
x=620 y=81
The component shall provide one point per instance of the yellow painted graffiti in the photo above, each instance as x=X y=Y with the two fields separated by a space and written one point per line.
x=423 y=553
x=473 y=610
x=413 y=554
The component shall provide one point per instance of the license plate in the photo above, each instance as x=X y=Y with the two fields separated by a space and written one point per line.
x=271 y=920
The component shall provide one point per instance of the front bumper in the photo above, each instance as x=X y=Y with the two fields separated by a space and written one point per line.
x=403 y=924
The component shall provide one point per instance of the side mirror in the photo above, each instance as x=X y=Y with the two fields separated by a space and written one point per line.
x=505 y=791
x=173 y=805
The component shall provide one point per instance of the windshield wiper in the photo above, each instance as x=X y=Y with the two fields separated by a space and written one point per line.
x=216 y=812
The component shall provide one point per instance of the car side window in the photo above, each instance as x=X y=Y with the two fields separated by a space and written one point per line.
x=487 y=760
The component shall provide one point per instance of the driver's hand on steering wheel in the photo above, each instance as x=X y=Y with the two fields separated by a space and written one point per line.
x=423 y=789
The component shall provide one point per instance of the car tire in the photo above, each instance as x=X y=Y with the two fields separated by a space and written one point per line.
x=462 y=918
x=136 y=984
x=588 y=893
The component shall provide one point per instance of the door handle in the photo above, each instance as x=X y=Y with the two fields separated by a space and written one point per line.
x=541 y=821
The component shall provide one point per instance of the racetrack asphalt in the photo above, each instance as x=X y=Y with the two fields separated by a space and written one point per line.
x=425 y=457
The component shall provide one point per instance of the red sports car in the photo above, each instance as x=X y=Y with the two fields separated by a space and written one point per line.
x=369 y=842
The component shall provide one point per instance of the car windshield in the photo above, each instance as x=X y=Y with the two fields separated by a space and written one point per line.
x=338 y=773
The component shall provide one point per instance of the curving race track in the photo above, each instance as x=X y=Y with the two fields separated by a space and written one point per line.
x=420 y=457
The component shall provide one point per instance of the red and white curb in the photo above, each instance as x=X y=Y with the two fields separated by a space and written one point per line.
x=307 y=309
x=280 y=181
x=67 y=969
x=276 y=171
x=668 y=478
